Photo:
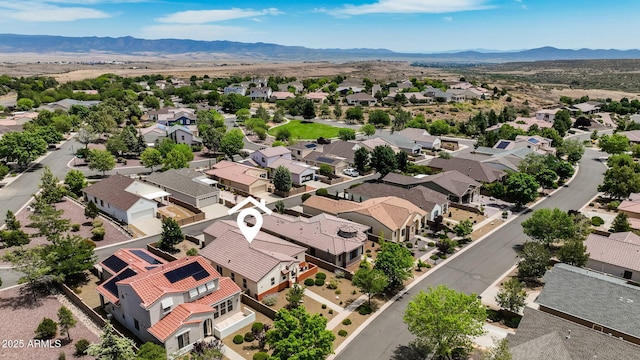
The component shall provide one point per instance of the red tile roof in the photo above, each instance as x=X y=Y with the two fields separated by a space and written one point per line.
x=177 y=318
x=226 y=289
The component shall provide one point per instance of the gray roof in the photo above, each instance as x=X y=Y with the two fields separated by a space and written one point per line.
x=452 y=181
x=403 y=180
x=420 y=196
x=343 y=149
x=542 y=336
x=472 y=168
x=593 y=296
x=183 y=181
x=112 y=191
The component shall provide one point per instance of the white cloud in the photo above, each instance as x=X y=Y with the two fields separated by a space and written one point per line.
x=208 y=16
x=411 y=6
x=193 y=32
x=37 y=11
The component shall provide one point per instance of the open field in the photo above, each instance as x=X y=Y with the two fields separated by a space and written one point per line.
x=306 y=130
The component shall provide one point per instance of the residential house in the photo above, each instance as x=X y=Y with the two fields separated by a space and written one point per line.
x=297 y=87
x=66 y=104
x=353 y=85
x=300 y=172
x=632 y=135
x=618 y=254
x=500 y=159
x=635 y=118
x=153 y=134
x=187 y=186
x=542 y=336
x=175 y=304
x=246 y=179
x=173 y=116
x=593 y=299
x=462 y=85
x=536 y=143
x=260 y=93
x=336 y=163
x=474 y=169
x=361 y=98
x=137 y=259
x=444 y=96
x=261 y=267
x=264 y=157
x=280 y=95
x=587 y=108
x=181 y=134
x=372 y=143
x=397 y=219
x=459 y=188
x=239 y=89
x=431 y=201
x=301 y=149
x=124 y=198
x=330 y=238
x=420 y=136
x=316 y=96
x=548 y=115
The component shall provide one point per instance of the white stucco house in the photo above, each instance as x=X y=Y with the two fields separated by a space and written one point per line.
x=264 y=157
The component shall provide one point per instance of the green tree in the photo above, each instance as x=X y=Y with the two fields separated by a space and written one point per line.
x=112 y=346
x=621 y=223
x=66 y=321
x=11 y=222
x=402 y=159
x=512 y=295
x=370 y=281
x=22 y=147
x=500 y=351
x=574 y=252
x=116 y=146
x=75 y=181
x=445 y=321
x=521 y=188
x=533 y=164
x=308 y=109
x=326 y=170
x=620 y=181
x=383 y=159
x=165 y=146
x=51 y=191
x=211 y=138
x=25 y=104
x=243 y=115
x=91 y=210
x=354 y=114
x=573 y=148
x=337 y=111
x=234 y=102
x=175 y=159
x=294 y=295
x=361 y=159
x=32 y=267
x=439 y=127
x=151 y=351
x=282 y=179
x=534 y=259
x=280 y=207
x=546 y=178
x=379 y=118
x=296 y=334
x=151 y=157
x=368 y=129
x=614 y=144
x=70 y=257
x=232 y=142
x=549 y=226
x=395 y=261
x=346 y=134
x=171 y=235
x=562 y=122
x=101 y=160
x=564 y=170
x=46 y=329
x=49 y=222
x=463 y=228
x=262 y=113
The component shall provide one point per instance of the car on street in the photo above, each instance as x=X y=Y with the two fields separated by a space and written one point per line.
x=351 y=172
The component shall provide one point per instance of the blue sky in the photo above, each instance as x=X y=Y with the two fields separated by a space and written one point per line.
x=398 y=25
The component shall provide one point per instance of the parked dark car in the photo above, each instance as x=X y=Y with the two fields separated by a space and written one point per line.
x=322 y=140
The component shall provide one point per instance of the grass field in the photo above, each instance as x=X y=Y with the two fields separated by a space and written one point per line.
x=307 y=130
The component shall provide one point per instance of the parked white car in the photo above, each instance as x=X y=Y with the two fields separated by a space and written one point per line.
x=351 y=172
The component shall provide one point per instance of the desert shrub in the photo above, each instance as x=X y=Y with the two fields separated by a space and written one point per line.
x=75 y=227
x=342 y=333
x=613 y=205
x=354 y=292
x=46 y=329
x=338 y=292
x=330 y=311
x=270 y=300
x=409 y=245
x=62 y=356
x=309 y=282
x=14 y=237
x=364 y=309
x=321 y=275
x=238 y=339
x=257 y=327
x=346 y=321
x=319 y=282
x=260 y=356
x=431 y=244
x=249 y=337
x=192 y=252
x=305 y=197
x=333 y=284
x=322 y=192
x=339 y=274
x=97 y=233
x=81 y=347
x=434 y=257
x=597 y=221
x=96 y=223
x=324 y=306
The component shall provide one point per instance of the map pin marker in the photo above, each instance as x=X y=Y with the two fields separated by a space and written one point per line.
x=249 y=232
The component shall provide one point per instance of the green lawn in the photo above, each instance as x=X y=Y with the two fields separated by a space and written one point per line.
x=307 y=130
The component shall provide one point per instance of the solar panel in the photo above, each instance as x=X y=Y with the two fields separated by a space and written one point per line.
x=114 y=263
x=194 y=269
x=310 y=146
x=146 y=256
x=503 y=145
x=110 y=285
x=325 y=159
x=533 y=140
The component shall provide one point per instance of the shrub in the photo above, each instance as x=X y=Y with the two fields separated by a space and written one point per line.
x=346 y=321
x=257 y=327
x=75 y=227
x=368 y=251
x=62 y=356
x=260 y=356
x=14 y=237
x=309 y=282
x=96 y=223
x=431 y=244
x=192 y=252
x=324 y=306
x=409 y=245
x=305 y=197
x=613 y=205
x=97 y=233
x=333 y=284
x=330 y=311
x=513 y=322
x=249 y=337
x=270 y=300
x=342 y=333
x=238 y=339
x=428 y=266
x=354 y=292
x=322 y=192
x=321 y=275
x=597 y=221
x=364 y=309
x=434 y=257
x=46 y=329
x=443 y=256
x=338 y=292
x=319 y=282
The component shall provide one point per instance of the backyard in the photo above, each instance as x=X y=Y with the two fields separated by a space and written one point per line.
x=306 y=130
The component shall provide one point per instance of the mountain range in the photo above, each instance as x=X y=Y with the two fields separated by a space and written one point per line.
x=45 y=44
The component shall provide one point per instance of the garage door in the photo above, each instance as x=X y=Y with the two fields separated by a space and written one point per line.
x=140 y=215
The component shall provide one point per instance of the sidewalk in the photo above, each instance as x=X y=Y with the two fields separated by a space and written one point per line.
x=492 y=333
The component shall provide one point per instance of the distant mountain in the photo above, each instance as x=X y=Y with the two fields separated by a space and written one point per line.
x=43 y=44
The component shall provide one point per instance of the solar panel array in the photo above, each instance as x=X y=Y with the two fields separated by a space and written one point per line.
x=533 y=140
x=503 y=145
x=110 y=285
x=325 y=159
x=114 y=263
x=194 y=269
x=309 y=146
x=146 y=257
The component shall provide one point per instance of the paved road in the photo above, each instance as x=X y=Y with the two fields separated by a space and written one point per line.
x=474 y=270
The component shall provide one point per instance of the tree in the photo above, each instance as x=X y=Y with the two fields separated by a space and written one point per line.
x=262 y=113
x=91 y=210
x=370 y=281
x=234 y=102
x=232 y=142
x=361 y=159
x=50 y=190
x=395 y=261
x=46 y=329
x=66 y=321
x=25 y=104
x=308 y=109
x=614 y=144
x=11 y=222
x=439 y=127
x=86 y=135
x=573 y=148
x=151 y=157
x=379 y=118
x=620 y=181
x=354 y=114
x=175 y=159
x=445 y=321
x=116 y=146
x=70 y=257
x=280 y=207
x=282 y=179
x=562 y=122
x=211 y=137
x=521 y=188
x=243 y=115
x=75 y=181
x=337 y=111
x=402 y=159
x=346 y=134
x=101 y=160
x=31 y=265
x=574 y=252
x=534 y=259
x=296 y=334
x=564 y=170
x=463 y=228
x=383 y=159
x=621 y=223
x=368 y=129
x=533 y=164
x=112 y=346
x=512 y=295
x=22 y=147
x=500 y=351
x=49 y=222
x=294 y=295
x=548 y=226
x=400 y=119
x=151 y=351
x=171 y=235
x=546 y=178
